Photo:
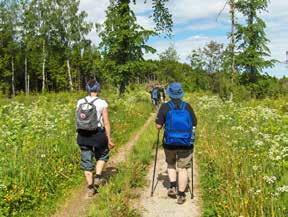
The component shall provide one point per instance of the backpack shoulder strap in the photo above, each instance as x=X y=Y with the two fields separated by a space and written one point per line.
x=94 y=100
x=85 y=99
x=183 y=105
x=171 y=105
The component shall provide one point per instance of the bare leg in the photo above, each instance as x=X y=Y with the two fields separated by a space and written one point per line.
x=89 y=177
x=172 y=173
x=183 y=179
x=99 y=167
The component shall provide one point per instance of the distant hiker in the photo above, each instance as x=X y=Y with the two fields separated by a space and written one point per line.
x=178 y=119
x=162 y=93
x=155 y=96
x=93 y=137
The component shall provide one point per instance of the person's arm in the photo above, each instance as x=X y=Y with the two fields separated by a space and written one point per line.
x=107 y=127
x=159 y=127
x=160 y=120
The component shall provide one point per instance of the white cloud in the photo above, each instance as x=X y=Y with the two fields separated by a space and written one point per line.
x=145 y=22
x=95 y=9
x=187 y=10
x=184 y=46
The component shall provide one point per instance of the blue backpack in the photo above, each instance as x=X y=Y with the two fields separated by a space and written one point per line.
x=178 y=126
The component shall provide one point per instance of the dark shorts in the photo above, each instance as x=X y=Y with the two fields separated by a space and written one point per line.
x=155 y=101
x=92 y=146
x=88 y=153
x=182 y=157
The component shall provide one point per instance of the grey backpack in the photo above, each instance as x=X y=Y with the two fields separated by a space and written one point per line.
x=86 y=116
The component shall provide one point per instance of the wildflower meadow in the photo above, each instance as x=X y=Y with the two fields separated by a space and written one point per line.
x=243 y=152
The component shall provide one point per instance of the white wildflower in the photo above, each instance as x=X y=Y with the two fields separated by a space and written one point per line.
x=283 y=189
x=270 y=179
x=259 y=143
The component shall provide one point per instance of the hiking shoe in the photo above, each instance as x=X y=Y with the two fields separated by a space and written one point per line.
x=181 y=200
x=90 y=192
x=99 y=181
x=172 y=192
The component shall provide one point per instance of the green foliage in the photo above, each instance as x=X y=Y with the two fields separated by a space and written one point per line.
x=123 y=41
x=170 y=54
x=162 y=17
x=251 y=39
x=209 y=58
x=45 y=34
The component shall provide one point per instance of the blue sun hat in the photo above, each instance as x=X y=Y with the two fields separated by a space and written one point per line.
x=93 y=88
x=175 y=90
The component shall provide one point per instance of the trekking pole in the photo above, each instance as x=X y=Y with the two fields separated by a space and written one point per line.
x=192 y=179
x=155 y=161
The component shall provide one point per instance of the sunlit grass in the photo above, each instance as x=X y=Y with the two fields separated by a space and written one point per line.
x=243 y=153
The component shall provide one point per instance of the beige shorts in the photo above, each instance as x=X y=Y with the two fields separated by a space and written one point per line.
x=181 y=157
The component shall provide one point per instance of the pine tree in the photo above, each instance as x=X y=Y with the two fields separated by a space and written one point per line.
x=251 y=39
x=123 y=41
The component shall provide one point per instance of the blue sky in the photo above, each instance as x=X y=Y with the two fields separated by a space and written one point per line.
x=195 y=25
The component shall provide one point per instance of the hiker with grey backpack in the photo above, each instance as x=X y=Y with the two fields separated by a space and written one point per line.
x=93 y=128
x=179 y=122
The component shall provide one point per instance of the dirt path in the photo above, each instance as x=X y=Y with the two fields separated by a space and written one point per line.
x=78 y=203
x=160 y=205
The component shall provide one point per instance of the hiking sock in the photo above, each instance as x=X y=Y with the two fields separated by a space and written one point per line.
x=98 y=176
x=172 y=184
x=181 y=193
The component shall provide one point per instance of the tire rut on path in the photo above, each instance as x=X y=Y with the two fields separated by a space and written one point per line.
x=77 y=205
x=160 y=205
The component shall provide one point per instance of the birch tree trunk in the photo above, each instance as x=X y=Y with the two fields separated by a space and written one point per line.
x=26 y=78
x=43 y=68
x=28 y=84
x=69 y=75
x=13 y=77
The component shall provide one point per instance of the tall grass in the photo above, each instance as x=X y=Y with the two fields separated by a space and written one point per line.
x=243 y=153
x=39 y=155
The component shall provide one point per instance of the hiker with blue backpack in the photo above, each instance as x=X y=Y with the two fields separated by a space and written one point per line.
x=179 y=122
x=93 y=136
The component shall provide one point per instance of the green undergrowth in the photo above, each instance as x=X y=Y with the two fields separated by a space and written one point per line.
x=39 y=155
x=242 y=149
x=114 y=199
